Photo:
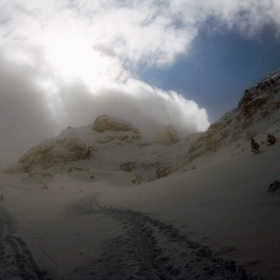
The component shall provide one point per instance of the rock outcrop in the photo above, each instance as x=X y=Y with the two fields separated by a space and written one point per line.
x=106 y=123
x=53 y=152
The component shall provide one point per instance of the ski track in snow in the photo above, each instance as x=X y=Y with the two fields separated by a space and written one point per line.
x=151 y=249
x=16 y=262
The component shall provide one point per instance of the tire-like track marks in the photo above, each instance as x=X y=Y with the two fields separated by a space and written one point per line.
x=16 y=261
x=151 y=249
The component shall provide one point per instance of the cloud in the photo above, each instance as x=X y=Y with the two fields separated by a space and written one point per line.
x=246 y=17
x=24 y=115
x=36 y=105
x=146 y=107
x=151 y=32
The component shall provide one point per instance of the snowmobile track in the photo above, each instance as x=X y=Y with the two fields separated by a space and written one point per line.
x=151 y=249
x=16 y=261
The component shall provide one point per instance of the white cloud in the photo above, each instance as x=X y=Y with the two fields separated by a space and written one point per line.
x=152 y=32
x=35 y=105
x=25 y=117
x=245 y=16
x=149 y=108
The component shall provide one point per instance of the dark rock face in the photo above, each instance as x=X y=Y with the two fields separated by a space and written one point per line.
x=252 y=107
x=106 y=123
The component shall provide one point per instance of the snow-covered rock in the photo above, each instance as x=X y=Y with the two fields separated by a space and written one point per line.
x=52 y=152
x=106 y=123
x=257 y=111
x=167 y=136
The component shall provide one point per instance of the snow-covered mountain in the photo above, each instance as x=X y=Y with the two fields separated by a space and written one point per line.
x=110 y=144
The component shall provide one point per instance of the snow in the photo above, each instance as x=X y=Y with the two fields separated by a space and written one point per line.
x=222 y=203
x=208 y=215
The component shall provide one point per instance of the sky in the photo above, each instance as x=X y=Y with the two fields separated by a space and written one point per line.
x=151 y=62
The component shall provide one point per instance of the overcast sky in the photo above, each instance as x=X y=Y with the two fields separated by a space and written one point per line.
x=149 y=62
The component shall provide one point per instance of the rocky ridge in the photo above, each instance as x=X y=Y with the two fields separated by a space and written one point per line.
x=257 y=112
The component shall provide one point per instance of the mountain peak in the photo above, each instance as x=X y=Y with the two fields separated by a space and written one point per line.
x=106 y=123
